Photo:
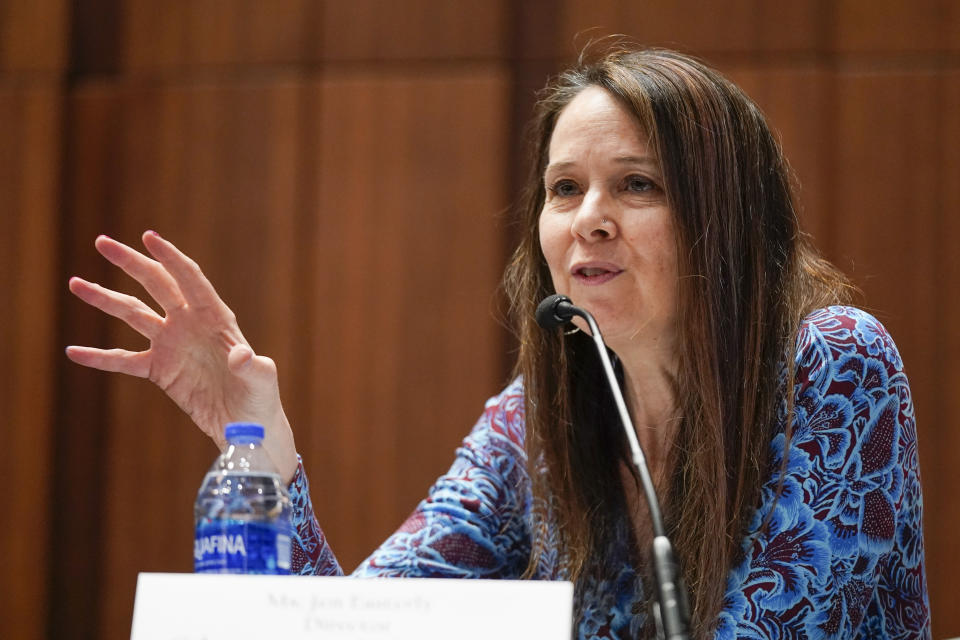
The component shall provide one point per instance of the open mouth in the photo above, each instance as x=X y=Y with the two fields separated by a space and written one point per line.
x=596 y=275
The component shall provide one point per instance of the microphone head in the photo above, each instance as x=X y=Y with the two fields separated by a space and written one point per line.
x=553 y=311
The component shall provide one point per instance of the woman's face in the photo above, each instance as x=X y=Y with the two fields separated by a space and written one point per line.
x=605 y=228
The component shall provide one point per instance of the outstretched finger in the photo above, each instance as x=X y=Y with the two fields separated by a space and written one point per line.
x=133 y=363
x=133 y=311
x=149 y=273
x=193 y=285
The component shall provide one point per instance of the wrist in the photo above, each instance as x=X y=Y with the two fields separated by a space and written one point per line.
x=279 y=445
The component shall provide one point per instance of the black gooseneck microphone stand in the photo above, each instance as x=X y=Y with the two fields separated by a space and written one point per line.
x=670 y=608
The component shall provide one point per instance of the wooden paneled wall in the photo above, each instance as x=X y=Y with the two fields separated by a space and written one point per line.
x=341 y=171
x=32 y=63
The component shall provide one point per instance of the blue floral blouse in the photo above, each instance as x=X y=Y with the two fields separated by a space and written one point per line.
x=841 y=557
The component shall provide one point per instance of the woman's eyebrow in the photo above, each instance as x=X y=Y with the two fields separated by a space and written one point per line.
x=558 y=166
x=646 y=160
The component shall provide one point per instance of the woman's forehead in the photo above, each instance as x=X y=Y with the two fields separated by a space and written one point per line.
x=596 y=122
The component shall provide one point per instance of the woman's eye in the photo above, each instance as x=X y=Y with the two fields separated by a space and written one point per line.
x=565 y=188
x=639 y=184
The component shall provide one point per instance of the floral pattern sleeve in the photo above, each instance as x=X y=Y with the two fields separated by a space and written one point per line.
x=471 y=525
x=309 y=554
x=839 y=554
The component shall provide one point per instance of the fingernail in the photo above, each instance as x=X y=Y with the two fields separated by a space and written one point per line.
x=103 y=235
x=153 y=233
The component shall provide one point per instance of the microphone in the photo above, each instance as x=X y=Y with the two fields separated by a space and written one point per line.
x=554 y=311
x=671 y=607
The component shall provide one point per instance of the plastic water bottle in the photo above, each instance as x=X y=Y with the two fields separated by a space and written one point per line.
x=242 y=512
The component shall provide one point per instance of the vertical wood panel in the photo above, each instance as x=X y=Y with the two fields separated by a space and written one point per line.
x=895 y=26
x=406 y=246
x=887 y=209
x=746 y=26
x=180 y=34
x=33 y=35
x=32 y=57
x=798 y=106
x=941 y=473
x=91 y=164
x=414 y=29
x=951 y=28
x=29 y=175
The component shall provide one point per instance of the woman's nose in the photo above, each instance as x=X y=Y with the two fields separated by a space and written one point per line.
x=594 y=220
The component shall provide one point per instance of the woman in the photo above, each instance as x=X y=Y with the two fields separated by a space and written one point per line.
x=779 y=429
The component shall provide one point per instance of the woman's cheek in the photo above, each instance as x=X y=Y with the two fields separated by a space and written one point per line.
x=552 y=245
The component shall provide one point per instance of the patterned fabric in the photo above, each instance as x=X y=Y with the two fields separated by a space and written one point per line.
x=842 y=553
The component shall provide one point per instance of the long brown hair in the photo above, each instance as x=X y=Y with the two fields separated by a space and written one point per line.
x=747 y=278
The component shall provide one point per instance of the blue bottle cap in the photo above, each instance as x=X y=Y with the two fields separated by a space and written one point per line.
x=243 y=432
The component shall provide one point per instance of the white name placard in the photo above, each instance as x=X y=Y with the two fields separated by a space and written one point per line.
x=184 y=606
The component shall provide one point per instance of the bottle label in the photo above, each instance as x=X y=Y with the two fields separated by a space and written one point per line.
x=234 y=546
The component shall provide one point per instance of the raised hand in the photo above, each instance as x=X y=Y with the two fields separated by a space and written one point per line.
x=197 y=353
